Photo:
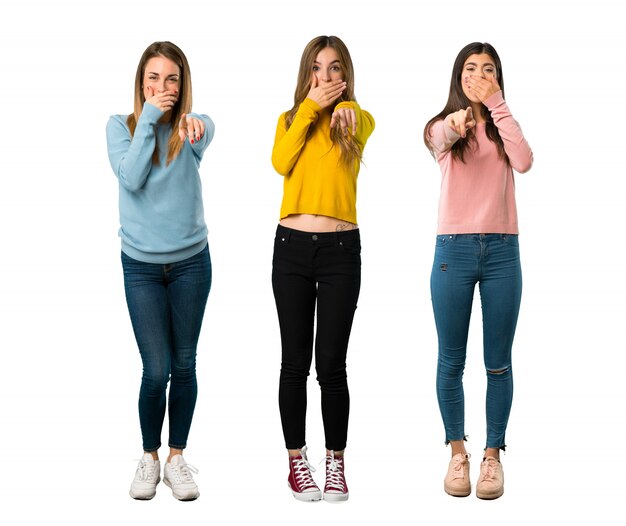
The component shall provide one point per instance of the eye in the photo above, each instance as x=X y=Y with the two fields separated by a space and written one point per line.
x=336 y=68
x=316 y=68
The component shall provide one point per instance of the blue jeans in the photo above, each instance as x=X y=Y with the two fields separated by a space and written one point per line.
x=166 y=305
x=461 y=261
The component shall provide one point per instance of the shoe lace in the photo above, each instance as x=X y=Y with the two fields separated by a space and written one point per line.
x=302 y=471
x=334 y=472
x=488 y=468
x=457 y=467
x=145 y=470
x=182 y=473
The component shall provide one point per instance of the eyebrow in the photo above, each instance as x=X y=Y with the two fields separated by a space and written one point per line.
x=485 y=64
x=337 y=61
x=155 y=73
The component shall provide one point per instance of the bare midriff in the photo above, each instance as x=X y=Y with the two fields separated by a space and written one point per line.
x=316 y=223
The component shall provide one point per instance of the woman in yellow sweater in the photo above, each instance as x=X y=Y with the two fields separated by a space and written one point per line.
x=317 y=254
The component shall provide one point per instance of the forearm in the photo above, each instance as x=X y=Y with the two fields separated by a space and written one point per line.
x=288 y=143
x=131 y=157
x=441 y=136
x=515 y=145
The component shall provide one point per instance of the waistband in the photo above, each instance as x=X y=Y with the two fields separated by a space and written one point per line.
x=290 y=234
x=477 y=236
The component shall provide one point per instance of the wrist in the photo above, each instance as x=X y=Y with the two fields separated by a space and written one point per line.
x=151 y=112
x=311 y=104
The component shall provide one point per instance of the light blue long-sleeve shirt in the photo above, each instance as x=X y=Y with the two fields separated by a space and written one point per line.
x=161 y=210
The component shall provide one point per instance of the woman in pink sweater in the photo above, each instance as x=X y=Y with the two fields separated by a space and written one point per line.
x=477 y=144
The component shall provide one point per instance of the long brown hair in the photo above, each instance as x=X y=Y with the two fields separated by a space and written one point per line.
x=458 y=101
x=351 y=150
x=183 y=105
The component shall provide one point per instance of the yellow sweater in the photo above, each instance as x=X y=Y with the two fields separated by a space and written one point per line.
x=316 y=180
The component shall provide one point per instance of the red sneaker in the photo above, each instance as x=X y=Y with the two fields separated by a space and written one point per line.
x=300 y=480
x=335 y=488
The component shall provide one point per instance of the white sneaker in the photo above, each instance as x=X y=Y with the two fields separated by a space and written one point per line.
x=177 y=476
x=147 y=477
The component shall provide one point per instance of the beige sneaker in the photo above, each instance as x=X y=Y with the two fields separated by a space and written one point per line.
x=490 y=484
x=457 y=482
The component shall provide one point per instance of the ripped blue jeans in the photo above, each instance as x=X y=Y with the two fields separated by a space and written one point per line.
x=461 y=261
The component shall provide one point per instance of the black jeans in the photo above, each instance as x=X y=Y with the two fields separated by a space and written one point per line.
x=310 y=268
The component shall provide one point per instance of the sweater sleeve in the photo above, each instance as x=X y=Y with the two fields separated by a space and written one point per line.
x=441 y=136
x=364 y=121
x=131 y=157
x=288 y=143
x=517 y=149
x=199 y=147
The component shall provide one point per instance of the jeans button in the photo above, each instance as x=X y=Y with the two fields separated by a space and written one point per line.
x=314 y=237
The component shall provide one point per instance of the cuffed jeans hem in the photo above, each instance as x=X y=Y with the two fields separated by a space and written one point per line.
x=289 y=446
x=336 y=448
x=464 y=439
x=176 y=446
x=151 y=449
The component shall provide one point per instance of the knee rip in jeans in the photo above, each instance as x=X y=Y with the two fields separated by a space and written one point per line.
x=499 y=371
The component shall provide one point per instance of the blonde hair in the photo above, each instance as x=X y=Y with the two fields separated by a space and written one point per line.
x=183 y=105
x=351 y=150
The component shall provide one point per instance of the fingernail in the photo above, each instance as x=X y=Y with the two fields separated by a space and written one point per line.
x=191 y=141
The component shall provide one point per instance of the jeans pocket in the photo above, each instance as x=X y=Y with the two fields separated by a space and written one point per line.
x=442 y=240
x=511 y=239
x=351 y=246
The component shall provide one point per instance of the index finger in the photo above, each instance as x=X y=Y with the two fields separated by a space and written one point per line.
x=197 y=127
x=201 y=122
x=462 y=115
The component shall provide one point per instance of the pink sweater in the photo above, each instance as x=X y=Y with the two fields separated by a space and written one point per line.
x=478 y=196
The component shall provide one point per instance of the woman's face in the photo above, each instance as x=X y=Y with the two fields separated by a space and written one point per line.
x=160 y=75
x=477 y=65
x=326 y=66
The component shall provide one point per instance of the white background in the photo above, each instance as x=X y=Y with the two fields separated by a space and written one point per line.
x=70 y=368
